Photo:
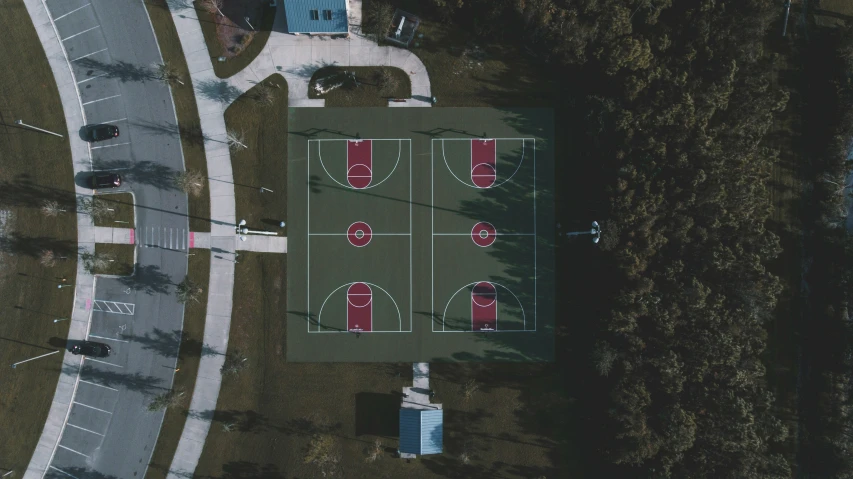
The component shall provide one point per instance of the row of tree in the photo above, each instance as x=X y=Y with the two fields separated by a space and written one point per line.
x=677 y=98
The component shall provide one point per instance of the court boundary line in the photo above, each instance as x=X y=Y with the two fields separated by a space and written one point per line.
x=518 y=167
x=523 y=315
x=396 y=164
x=434 y=234
x=309 y=234
x=320 y=313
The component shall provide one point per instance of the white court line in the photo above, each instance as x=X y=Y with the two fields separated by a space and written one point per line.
x=60 y=470
x=102 y=99
x=96 y=384
x=92 y=78
x=88 y=55
x=84 y=429
x=369 y=139
x=91 y=407
x=535 y=219
x=72 y=450
x=308 y=246
x=111 y=339
x=104 y=362
x=496 y=234
x=69 y=13
x=432 y=232
x=76 y=34
x=110 y=146
x=467 y=139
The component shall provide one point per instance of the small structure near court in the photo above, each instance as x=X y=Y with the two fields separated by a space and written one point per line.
x=421 y=422
x=403 y=28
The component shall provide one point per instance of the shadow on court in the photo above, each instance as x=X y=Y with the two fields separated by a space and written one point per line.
x=377 y=414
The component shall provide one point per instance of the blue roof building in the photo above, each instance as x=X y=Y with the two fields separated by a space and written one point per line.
x=316 y=16
x=421 y=431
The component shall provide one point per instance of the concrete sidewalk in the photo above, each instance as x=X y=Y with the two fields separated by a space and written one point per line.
x=84 y=283
x=256 y=243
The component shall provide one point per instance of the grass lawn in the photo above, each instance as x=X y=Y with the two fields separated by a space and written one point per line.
x=34 y=167
x=189 y=356
x=122 y=258
x=234 y=64
x=192 y=141
x=264 y=162
x=372 y=89
x=122 y=203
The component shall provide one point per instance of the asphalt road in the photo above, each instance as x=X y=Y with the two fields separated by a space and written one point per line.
x=109 y=432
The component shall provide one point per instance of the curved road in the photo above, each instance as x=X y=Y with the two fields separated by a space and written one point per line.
x=109 y=433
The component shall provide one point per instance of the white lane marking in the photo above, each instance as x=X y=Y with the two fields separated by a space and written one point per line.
x=96 y=384
x=75 y=452
x=114 y=307
x=72 y=11
x=84 y=429
x=102 y=99
x=110 y=146
x=89 y=54
x=84 y=31
x=114 y=121
x=109 y=339
x=92 y=78
x=91 y=407
x=60 y=470
x=104 y=362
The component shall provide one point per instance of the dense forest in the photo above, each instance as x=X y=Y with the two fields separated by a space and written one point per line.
x=676 y=97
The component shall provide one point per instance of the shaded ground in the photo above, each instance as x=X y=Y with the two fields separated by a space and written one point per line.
x=263 y=163
x=123 y=260
x=189 y=355
x=369 y=87
x=231 y=37
x=33 y=167
x=122 y=204
x=189 y=126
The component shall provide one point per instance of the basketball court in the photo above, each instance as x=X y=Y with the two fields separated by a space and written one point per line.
x=412 y=238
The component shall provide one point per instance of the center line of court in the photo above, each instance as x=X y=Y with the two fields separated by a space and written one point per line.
x=84 y=31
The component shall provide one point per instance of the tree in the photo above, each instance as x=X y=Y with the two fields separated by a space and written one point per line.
x=377 y=19
x=51 y=208
x=188 y=290
x=214 y=6
x=264 y=95
x=95 y=208
x=94 y=263
x=47 y=258
x=387 y=81
x=234 y=363
x=468 y=389
x=374 y=452
x=190 y=182
x=603 y=357
x=323 y=452
x=169 y=74
x=228 y=426
x=171 y=398
x=235 y=140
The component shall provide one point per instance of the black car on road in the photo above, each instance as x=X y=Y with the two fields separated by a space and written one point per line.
x=105 y=180
x=90 y=348
x=102 y=132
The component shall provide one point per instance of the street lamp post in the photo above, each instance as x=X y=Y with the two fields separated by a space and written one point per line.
x=595 y=232
x=247 y=23
x=60 y=286
x=21 y=122
x=33 y=359
x=56 y=321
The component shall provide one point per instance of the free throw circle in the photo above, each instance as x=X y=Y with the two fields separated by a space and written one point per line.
x=359 y=234
x=359 y=176
x=483 y=294
x=483 y=175
x=483 y=234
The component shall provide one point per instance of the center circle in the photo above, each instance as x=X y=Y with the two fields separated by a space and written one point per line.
x=359 y=234
x=483 y=234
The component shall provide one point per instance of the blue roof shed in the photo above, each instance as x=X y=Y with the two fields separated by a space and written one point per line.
x=421 y=431
x=316 y=16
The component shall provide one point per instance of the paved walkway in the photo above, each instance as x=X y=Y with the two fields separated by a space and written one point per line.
x=417 y=396
x=256 y=243
x=296 y=58
x=84 y=284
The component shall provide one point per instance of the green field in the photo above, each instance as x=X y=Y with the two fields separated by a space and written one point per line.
x=419 y=261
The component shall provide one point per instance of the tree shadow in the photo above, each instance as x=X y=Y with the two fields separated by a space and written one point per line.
x=134 y=382
x=120 y=70
x=219 y=91
x=14 y=243
x=314 y=132
x=23 y=192
x=76 y=472
x=307 y=70
x=244 y=421
x=247 y=470
x=148 y=279
x=192 y=133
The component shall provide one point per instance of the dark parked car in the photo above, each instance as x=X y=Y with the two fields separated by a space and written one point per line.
x=103 y=132
x=106 y=180
x=89 y=348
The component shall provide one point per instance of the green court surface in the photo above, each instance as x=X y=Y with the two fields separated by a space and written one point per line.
x=420 y=234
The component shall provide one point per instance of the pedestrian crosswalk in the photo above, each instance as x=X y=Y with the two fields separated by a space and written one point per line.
x=163 y=237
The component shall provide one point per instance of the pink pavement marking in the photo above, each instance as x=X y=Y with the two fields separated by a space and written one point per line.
x=192 y=239
x=132 y=236
x=88 y=304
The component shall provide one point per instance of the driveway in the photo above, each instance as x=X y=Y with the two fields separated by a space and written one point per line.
x=108 y=432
